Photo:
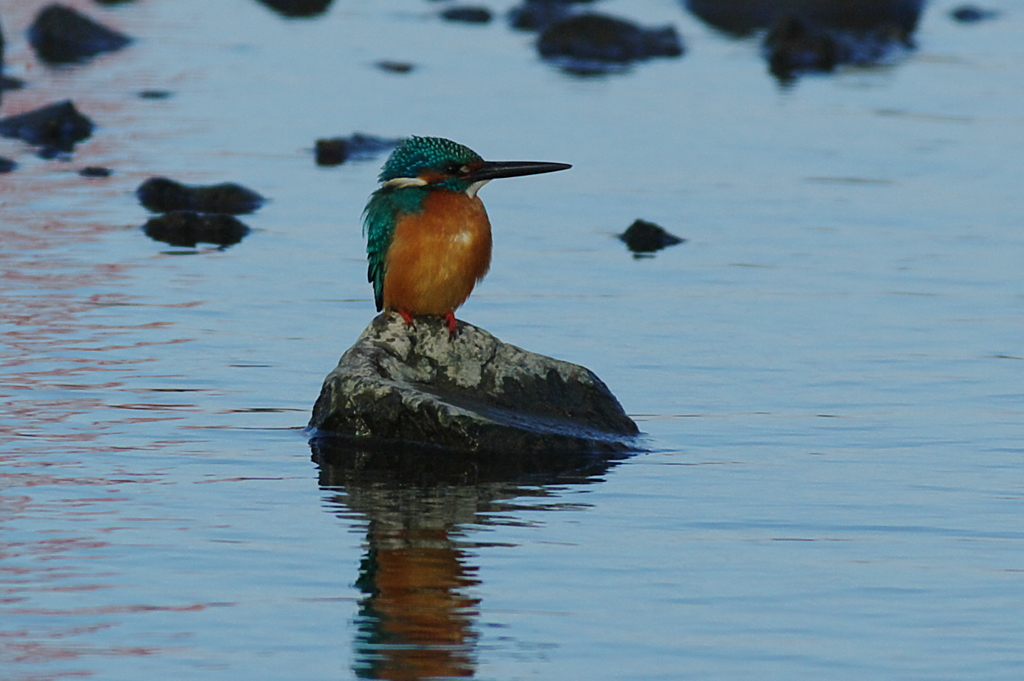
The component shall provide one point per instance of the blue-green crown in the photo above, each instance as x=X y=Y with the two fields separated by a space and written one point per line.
x=435 y=154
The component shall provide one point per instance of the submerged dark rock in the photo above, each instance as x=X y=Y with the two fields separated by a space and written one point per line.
x=7 y=165
x=536 y=15
x=467 y=15
x=95 y=171
x=336 y=150
x=470 y=392
x=794 y=46
x=806 y=36
x=188 y=228
x=738 y=18
x=395 y=66
x=63 y=35
x=970 y=14
x=162 y=195
x=644 y=238
x=596 y=42
x=298 y=8
x=743 y=17
x=6 y=83
x=56 y=128
x=155 y=94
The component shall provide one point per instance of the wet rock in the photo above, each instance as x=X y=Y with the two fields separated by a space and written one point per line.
x=468 y=15
x=969 y=14
x=162 y=195
x=470 y=392
x=336 y=150
x=644 y=238
x=188 y=228
x=62 y=35
x=95 y=171
x=55 y=128
x=7 y=165
x=298 y=8
x=595 y=42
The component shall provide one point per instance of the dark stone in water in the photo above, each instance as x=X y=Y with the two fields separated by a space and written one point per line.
x=95 y=171
x=817 y=35
x=794 y=46
x=394 y=66
x=7 y=83
x=644 y=237
x=467 y=15
x=7 y=165
x=298 y=8
x=155 y=94
x=55 y=128
x=470 y=393
x=536 y=15
x=969 y=14
x=62 y=35
x=188 y=228
x=585 y=42
x=738 y=18
x=336 y=150
x=162 y=195
x=743 y=17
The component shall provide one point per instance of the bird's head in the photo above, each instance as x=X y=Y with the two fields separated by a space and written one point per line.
x=438 y=163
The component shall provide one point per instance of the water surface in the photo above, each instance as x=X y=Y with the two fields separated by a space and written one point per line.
x=829 y=369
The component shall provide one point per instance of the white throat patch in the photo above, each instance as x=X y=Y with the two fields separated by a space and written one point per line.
x=475 y=187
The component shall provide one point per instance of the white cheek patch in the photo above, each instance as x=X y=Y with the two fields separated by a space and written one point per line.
x=475 y=187
x=400 y=182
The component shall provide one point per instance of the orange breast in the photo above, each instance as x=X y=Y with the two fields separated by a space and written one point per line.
x=437 y=256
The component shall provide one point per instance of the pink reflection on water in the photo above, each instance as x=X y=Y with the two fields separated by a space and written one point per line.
x=75 y=338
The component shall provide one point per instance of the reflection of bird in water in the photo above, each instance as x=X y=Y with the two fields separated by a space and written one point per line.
x=415 y=621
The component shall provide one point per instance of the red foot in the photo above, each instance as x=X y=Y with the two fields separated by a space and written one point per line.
x=450 y=319
x=407 y=316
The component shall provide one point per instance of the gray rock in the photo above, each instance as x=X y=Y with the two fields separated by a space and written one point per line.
x=470 y=393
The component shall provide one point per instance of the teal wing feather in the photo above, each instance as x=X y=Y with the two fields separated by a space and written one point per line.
x=378 y=227
x=385 y=208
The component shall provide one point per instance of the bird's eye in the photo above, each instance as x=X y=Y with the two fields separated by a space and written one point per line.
x=457 y=170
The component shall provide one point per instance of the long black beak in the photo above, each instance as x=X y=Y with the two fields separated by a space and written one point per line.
x=492 y=170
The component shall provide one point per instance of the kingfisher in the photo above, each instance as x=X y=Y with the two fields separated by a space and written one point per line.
x=428 y=239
